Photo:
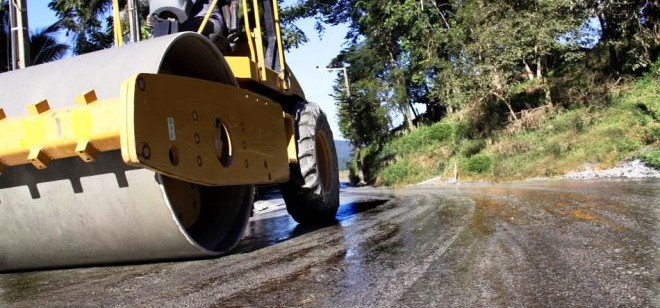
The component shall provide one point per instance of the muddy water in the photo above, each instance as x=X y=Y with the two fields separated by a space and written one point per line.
x=532 y=244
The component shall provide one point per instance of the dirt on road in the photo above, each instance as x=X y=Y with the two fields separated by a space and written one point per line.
x=526 y=244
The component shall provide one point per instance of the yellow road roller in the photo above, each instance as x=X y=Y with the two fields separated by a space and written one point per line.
x=152 y=150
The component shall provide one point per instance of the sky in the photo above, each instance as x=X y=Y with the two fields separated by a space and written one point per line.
x=316 y=83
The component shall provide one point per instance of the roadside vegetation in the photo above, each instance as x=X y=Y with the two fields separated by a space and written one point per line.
x=623 y=126
x=494 y=89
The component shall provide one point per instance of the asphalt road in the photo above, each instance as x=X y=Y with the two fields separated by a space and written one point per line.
x=531 y=244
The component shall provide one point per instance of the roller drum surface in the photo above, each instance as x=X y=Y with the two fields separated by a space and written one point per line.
x=75 y=213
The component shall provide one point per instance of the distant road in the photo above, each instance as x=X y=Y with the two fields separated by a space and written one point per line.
x=533 y=244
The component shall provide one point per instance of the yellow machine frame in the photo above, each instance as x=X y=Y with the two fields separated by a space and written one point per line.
x=178 y=140
x=250 y=69
x=169 y=137
x=156 y=150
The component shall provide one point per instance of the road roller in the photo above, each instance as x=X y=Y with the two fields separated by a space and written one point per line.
x=152 y=150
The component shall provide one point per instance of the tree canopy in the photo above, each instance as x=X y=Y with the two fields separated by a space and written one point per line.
x=448 y=55
x=44 y=45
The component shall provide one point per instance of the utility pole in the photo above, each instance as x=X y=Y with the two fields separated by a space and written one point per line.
x=20 y=44
x=356 y=147
x=344 y=70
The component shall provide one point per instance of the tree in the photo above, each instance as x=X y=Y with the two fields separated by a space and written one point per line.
x=87 y=22
x=362 y=117
x=4 y=37
x=384 y=25
x=44 y=46
x=453 y=54
x=511 y=41
x=629 y=31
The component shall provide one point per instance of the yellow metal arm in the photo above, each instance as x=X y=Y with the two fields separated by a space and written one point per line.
x=237 y=140
x=280 y=45
x=258 y=38
x=83 y=131
x=240 y=139
x=207 y=16
x=116 y=24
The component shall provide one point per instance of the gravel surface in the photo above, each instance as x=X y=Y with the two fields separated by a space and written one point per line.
x=588 y=243
x=634 y=169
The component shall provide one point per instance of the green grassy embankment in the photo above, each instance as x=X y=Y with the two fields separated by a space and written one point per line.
x=625 y=125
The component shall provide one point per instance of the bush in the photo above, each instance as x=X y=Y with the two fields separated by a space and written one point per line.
x=472 y=147
x=438 y=132
x=419 y=140
x=645 y=96
x=651 y=134
x=651 y=158
x=399 y=172
x=477 y=164
x=626 y=145
x=464 y=129
x=354 y=174
x=373 y=159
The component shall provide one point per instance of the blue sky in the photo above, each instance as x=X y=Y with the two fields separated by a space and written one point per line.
x=303 y=61
x=317 y=83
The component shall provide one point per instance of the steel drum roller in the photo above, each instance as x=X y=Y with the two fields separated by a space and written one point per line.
x=77 y=213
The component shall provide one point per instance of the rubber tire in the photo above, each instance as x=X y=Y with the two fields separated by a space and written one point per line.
x=309 y=199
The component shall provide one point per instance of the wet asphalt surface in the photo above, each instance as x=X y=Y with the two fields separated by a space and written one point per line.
x=527 y=244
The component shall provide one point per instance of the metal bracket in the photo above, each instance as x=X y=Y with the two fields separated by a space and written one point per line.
x=223 y=135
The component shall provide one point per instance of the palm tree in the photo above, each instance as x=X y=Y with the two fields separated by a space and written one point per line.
x=44 y=47
x=89 y=22
x=4 y=36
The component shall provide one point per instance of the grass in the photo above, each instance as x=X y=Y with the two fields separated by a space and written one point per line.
x=652 y=158
x=624 y=126
x=417 y=155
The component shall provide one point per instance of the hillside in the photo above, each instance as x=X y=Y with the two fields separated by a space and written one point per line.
x=542 y=143
x=493 y=89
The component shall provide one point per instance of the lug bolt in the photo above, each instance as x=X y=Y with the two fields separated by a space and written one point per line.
x=146 y=151
x=141 y=84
